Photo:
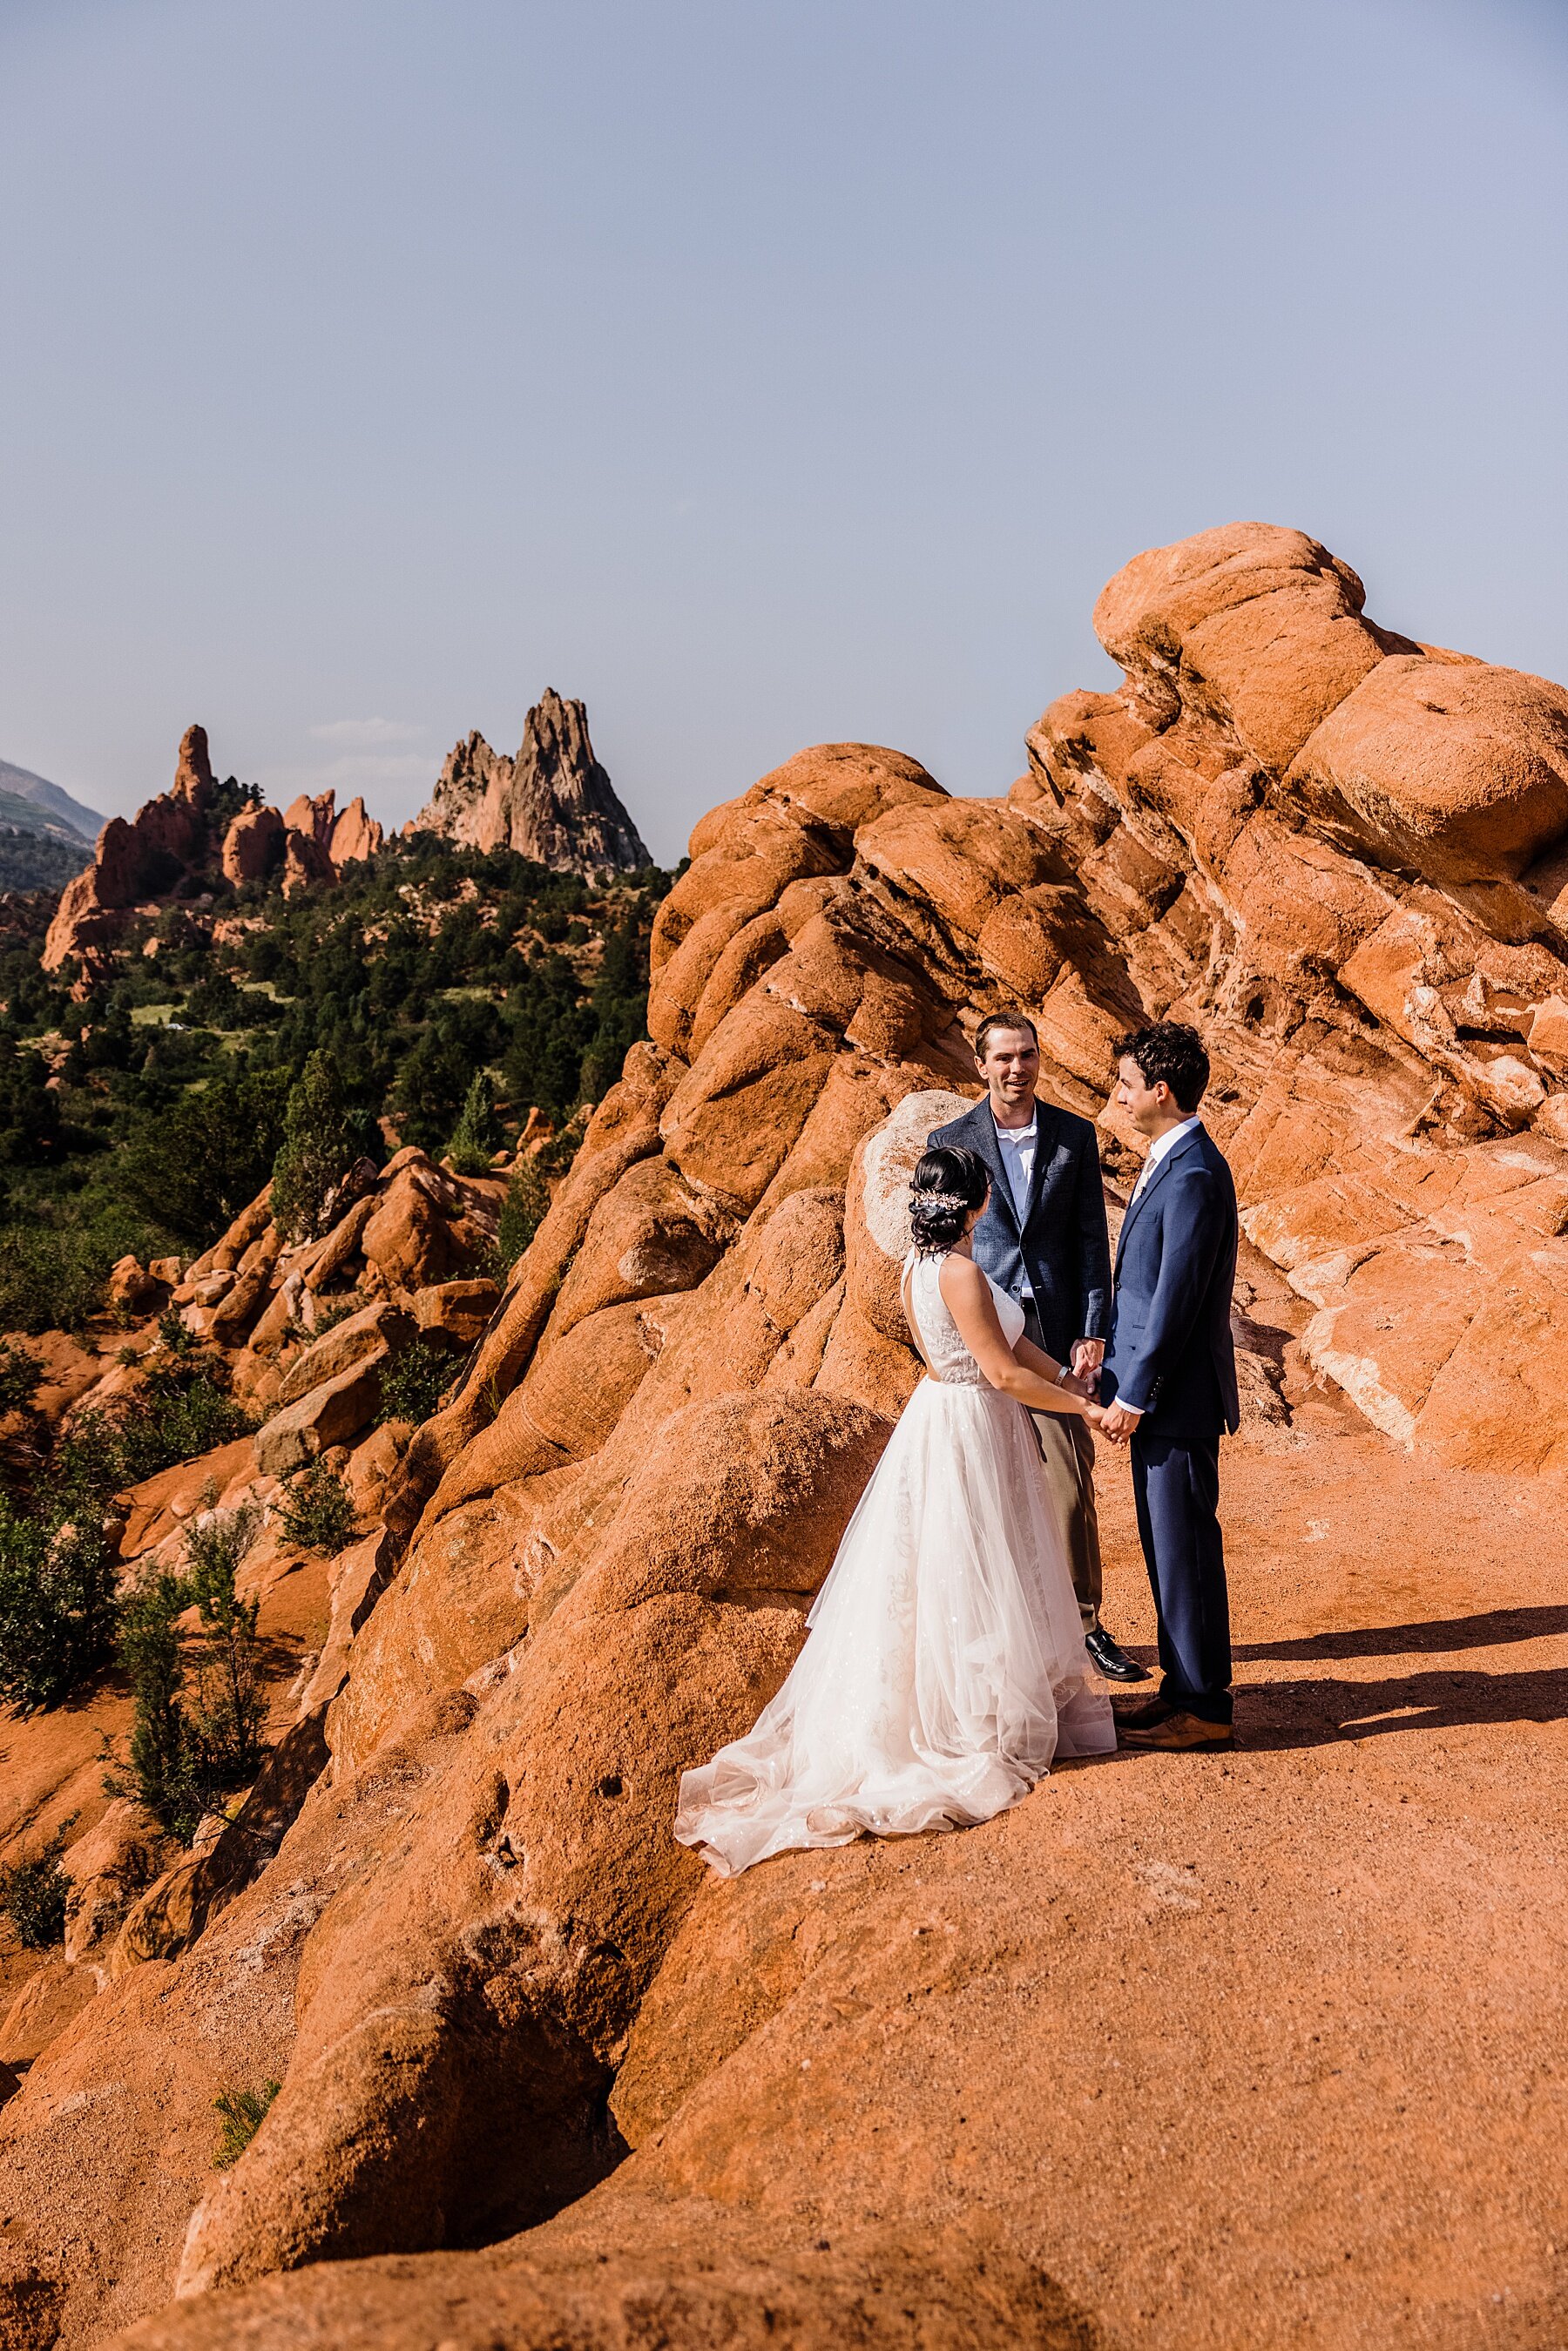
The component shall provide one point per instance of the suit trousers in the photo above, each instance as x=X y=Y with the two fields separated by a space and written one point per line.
x=1176 y=1486
x=1066 y=1458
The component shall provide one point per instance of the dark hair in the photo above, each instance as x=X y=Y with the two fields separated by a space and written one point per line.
x=948 y=1183
x=1006 y=1017
x=1170 y=1050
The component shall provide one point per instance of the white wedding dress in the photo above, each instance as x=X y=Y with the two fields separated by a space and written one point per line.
x=945 y=1664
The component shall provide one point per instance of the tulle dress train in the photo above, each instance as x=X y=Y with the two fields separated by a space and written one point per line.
x=944 y=1667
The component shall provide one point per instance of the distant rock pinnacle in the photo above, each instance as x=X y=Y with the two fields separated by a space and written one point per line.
x=553 y=803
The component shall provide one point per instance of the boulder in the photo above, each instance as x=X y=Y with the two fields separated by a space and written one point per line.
x=458 y=1311
x=132 y=1287
x=380 y=1326
x=330 y=1415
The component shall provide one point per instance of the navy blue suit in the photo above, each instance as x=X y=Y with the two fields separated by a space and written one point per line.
x=1171 y=1354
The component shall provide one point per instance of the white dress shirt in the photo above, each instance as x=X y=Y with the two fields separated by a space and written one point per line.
x=1018 y=1146
x=1162 y=1146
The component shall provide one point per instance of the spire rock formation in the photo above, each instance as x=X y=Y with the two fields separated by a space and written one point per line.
x=552 y=802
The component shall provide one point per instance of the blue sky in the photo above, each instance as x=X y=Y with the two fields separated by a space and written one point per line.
x=762 y=373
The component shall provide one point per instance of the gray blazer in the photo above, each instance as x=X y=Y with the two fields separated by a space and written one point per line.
x=1063 y=1243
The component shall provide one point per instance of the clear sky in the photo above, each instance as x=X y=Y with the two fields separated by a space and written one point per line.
x=764 y=372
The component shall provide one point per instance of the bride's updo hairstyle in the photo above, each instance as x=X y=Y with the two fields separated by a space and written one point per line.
x=947 y=1185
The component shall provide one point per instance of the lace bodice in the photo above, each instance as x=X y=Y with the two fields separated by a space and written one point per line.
x=945 y=1351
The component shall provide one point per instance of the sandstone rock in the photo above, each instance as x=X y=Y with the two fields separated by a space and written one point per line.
x=49 y=2001
x=459 y=1311
x=407 y=1235
x=1460 y=772
x=553 y=803
x=355 y=835
x=253 y=845
x=132 y=1285
x=330 y=1415
x=379 y=1327
x=109 y=1868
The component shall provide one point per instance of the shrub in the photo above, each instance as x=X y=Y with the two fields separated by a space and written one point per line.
x=323 y=1134
x=194 y=1167
x=230 y=1707
x=316 y=1512
x=523 y=1211
x=243 y=2112
x=57 y=1606
x=476 y=1137
x=20 y=1374
x=54 y=1266
x=151 y=1653
x=33 y=1894
x=414 y=1380
x=197 y=1732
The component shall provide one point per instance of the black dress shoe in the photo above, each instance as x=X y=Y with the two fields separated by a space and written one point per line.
x=1112 y=1658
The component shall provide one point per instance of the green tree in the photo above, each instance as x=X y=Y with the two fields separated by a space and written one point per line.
x=476 y=1137
x=57 y=1606
x=194 y=1167
x=324 y=1132
x=430 y=1087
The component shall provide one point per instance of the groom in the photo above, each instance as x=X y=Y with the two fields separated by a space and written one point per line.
x=1042 y=1238
x=1171 y=1371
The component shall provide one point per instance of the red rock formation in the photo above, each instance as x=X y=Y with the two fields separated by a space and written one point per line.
x=553 y=803
x=135 y=860
x=1342 y=856
x=355 y=834
x=170 y=837
x=253 y=845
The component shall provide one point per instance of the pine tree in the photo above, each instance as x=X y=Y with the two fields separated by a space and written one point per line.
x=323 y=1134
x=476 y=1137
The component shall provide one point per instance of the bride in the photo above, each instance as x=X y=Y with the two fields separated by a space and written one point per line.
x=945 y=1664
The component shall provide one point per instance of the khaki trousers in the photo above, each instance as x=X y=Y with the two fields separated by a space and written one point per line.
x=1066 y=1463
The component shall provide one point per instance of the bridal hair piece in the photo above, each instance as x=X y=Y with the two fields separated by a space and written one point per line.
x=948 y=1185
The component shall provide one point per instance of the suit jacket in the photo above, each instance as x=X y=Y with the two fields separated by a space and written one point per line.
x=1171 y=1353
x=1062 y=1243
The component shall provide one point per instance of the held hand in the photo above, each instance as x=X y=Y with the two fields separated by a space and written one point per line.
x=1094 y=1416
x=1118 y=1424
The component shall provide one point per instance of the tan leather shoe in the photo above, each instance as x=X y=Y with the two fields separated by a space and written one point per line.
x=1176 y=1734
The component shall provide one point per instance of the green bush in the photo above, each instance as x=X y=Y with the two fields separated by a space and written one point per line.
x=33 y=1894
x=54 y=1265
x=316 y=1512
x=199 y=1699
x=324 y=1133
x=57 y=1606
x=523 y=1211
x=57 y=1601
x=194 y=1167
x=415 y=1380
x=243 y=2112
x=476 y=1137
x=20 y=1374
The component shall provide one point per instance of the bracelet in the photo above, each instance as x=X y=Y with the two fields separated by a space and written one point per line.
x=1062 y=1373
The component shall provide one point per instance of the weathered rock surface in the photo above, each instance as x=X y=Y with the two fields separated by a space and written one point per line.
x=552 y=802
x=507 y=2010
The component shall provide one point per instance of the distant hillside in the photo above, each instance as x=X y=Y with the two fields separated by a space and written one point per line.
x=35 y=859
x=33 y=805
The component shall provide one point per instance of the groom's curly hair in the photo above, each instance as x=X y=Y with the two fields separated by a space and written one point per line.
x=1170 y=1050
